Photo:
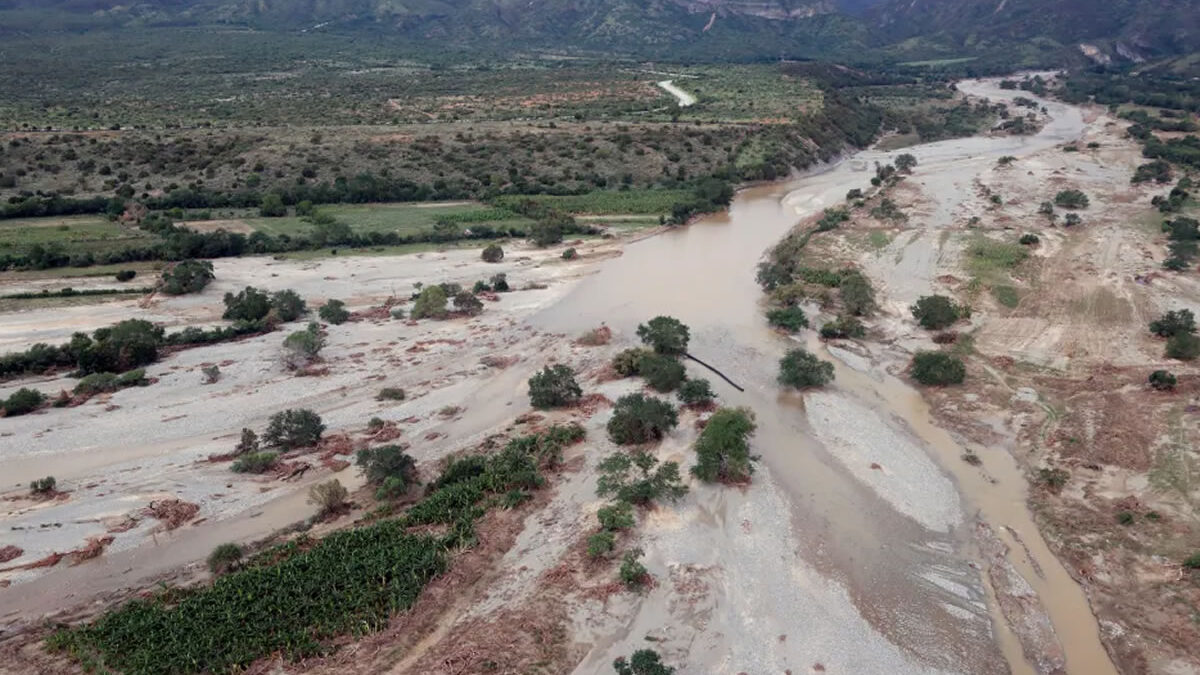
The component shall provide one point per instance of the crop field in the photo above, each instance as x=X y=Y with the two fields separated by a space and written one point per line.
x=76 y=234
x=611 y=202
x=402 y=218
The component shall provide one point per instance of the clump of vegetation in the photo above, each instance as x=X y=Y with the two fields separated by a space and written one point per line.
x=643 y=662
x=43 y=486
x=23 y=401
x=125 y=275
x=638 y=418
x=492 y=253
x=247 y=443
x=723 y=450
x=843 y=327
x=430 y=304
x=252 y=305
x=616 y=516
x=1183 y=346
x=791 y=319
x=255 y=462
x=554 y=387
x=937 y=369
x=570 y=254
x=302 y=347
x=99 y=383
x=1029 y=239
x=189 y=276
x=628 y=363
x=663 y=373
x=1174 y=323
x=1053 y=479
x=1071 y=199
x=390 y=394
x=467 y=304
x=665 y=335
x=601 y=544
x=1162 y=380
x=224 y=558
x=330 y=497
x=696 y=393
x=294 y=428
x=633 y=573
x=1158 y=171
x=334 y=311
x=389 y=469
x=638 y=478
x=800 y=369
x=935 y=312
x=858 y=298
x=210 y=373
x=1192 y=562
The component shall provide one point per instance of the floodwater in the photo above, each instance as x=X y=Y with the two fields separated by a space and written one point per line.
x=905 y=554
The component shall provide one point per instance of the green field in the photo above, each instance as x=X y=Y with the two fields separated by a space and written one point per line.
x=73 y=234
x=607 y=202
x=402 y=218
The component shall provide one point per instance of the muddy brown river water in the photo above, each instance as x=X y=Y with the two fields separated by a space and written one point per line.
x=901 y=540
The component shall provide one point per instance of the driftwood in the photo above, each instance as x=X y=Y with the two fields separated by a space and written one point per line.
x=719 y=373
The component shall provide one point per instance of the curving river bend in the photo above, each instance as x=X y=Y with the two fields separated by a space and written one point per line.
x=880 y=569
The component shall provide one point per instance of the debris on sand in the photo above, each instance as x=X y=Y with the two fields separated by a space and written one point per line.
x=171 y=512
x=92 y=549
x=10 y=552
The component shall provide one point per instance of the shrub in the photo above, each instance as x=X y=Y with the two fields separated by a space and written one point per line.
x=665 y=335
x=1071 y=199
x=295 y=428
x=1126 y=517
x=1173 y=323
x=937 y=369
x=23 y=401
x=334 y=312
x=1192 y=562
x=1072 y=219
x=396 y=313
x=858 y=298
x=800 y=369
x=492 y=253
x=570 y=254
x=224 y=558
x=126 y=275
x=389 y=469
x=288 y=305
x=1029 y=239
x=638 y=478
x=791 y=319
x=329 y=497
x=390 y=394
x=936 y=312
x=43 y=486
x=500 y=283
x=546 y=233
x=303 y=346
x=210 y=373
x=663 y=373
x=723 y=453
x=640 y=419
x=1183 y=346
x=272 y=206
x=643 y=662
x=629 y=362
x=255 y=462
x=696 y=392
x=1162 y=380
x=189 y=276
x=250 y=304
x=431 y=304
x=633 y=573
x=248 y=442
x=466 y=303
x=96 y=383
x=554 y=387
x=843 y=327
x=905 y=162
x=601 y=544
x=616 y=516
x=120 y=347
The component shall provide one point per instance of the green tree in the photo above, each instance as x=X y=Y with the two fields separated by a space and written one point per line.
x=643 y=662
x=905 y=163
x=188 y=276
x=639 y=478
x=858 y=297
x=1163 y=380
x=1173 y=323
x=628 y=362
x=1183 y=346
x=554 y=387
x=546 y=233
x=303 y=346
x=272 y=206
x=800 y=369
x=466 y=303
x=389 y=469
x=334 y=312
x=288 y=305
x=723 y=450
x=616 y=516
x=936 y=312
x=663 y=373
x=294 y=428
x=665 y=334
x=250 y=304
x=937 y=369
x=638 y=418
x=1071 y=199
x=431 y=304
x=791 y=319
x=492 y=253
x=696 y=392
x=23 y=401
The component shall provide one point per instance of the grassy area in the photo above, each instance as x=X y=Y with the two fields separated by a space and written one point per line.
x=607 y=202
x=939 y=62
x=402 y=218
x=423 y=247
x=748 y=92
x=74 y=234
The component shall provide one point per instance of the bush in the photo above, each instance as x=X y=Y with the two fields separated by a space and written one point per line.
x=255 y=462
x=492 y=253
x=189 y=276
x=843 y=327
x=120 y=347
x=1072 y=219
x=643 y=662
x=639 y=478
x=546 y=233
x=696 y=392
x=663 y=373
x=390 y=394
x=329 y=497
x=936 y=312
x=1029 y=239
x=628 y=363
x=665 y=335
x=247 y=444
x=23 y=401
x=640 y=419
x=43 y=486
x=791 y=319
x=1162 y=380
x=272 y=206
x=601 y=544
x=1192 y=562
x=389 y=469
x=126 y=275
x=250 y=304
x=500 y=283
x=132 y=378
x=296 y=428
x=1071 y=199
x=1173 y=323
x=858 y=298
x=396 y=313
x=723 y=453
x=1183 y=346
x=466 y=303
x=937 y=369
x=800 y=369
x=633 y=573
x=431 y=304
x=96 y=383
x=334 y=312
x=570 y=254
x=616 y=516
x=224 y=558
x=210 y=373
x=303 y=346
x=288 y=305
x=554 y=387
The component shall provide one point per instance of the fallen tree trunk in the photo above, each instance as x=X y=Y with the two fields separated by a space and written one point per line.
x=719 y=373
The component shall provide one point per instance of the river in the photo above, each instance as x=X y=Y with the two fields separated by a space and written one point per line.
x=899 y=540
